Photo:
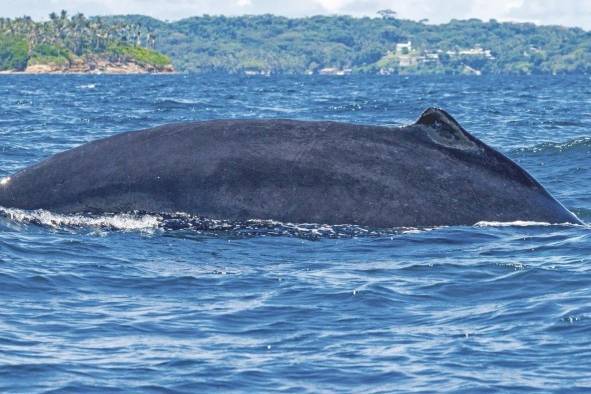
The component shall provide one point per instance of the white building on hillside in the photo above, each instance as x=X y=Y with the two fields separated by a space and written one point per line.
x=401 y=46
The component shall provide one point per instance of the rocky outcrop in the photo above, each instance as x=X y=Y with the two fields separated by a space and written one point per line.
x=97 y=66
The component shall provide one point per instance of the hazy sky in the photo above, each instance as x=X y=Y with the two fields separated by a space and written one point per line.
x=563 y=12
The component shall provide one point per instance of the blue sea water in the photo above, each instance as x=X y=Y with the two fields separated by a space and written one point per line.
x=135 y=303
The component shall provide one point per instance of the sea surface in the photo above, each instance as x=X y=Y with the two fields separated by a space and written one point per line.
x=140 y=303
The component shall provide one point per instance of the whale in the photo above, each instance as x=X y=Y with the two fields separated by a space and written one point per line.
x=429 y=173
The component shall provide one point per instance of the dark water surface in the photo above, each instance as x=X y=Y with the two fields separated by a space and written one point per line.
x=133 y=303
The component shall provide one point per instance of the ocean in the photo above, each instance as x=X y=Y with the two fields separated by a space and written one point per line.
x=144 y=303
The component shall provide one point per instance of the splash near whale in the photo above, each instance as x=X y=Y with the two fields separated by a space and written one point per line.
x=430 y=173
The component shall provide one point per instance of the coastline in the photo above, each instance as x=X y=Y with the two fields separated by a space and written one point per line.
x=106 y=68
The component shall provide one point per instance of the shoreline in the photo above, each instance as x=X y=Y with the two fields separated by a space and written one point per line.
x=13 y=72
x=97 y=68
x=176 y=72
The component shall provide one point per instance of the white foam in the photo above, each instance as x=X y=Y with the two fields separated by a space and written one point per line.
x=516 y=223
x=129 y=222
x=151 y=222
x=412 y=230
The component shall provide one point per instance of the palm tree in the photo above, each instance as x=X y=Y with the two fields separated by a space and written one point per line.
x=151 y=40
x=387 y=14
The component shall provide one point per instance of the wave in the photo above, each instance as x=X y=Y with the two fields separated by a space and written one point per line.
x=172 y=103
x=521 y=223
x=88 y=86
x=126 y=221
x=558 y=147
x=582 y=213
x=138 y=221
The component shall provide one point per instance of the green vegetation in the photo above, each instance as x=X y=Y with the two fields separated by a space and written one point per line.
x=77 y=42
x=13 y=53
x=320 y=44
x=50 y=54
x=266 y=43
x=143 y=56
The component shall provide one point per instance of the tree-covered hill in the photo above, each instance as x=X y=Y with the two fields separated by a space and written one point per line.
x=274 y=44
x=77 y=44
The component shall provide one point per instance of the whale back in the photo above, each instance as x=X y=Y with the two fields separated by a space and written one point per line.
x=430 y=173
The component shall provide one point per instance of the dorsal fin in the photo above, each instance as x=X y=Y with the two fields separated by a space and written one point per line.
x=445 y=130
